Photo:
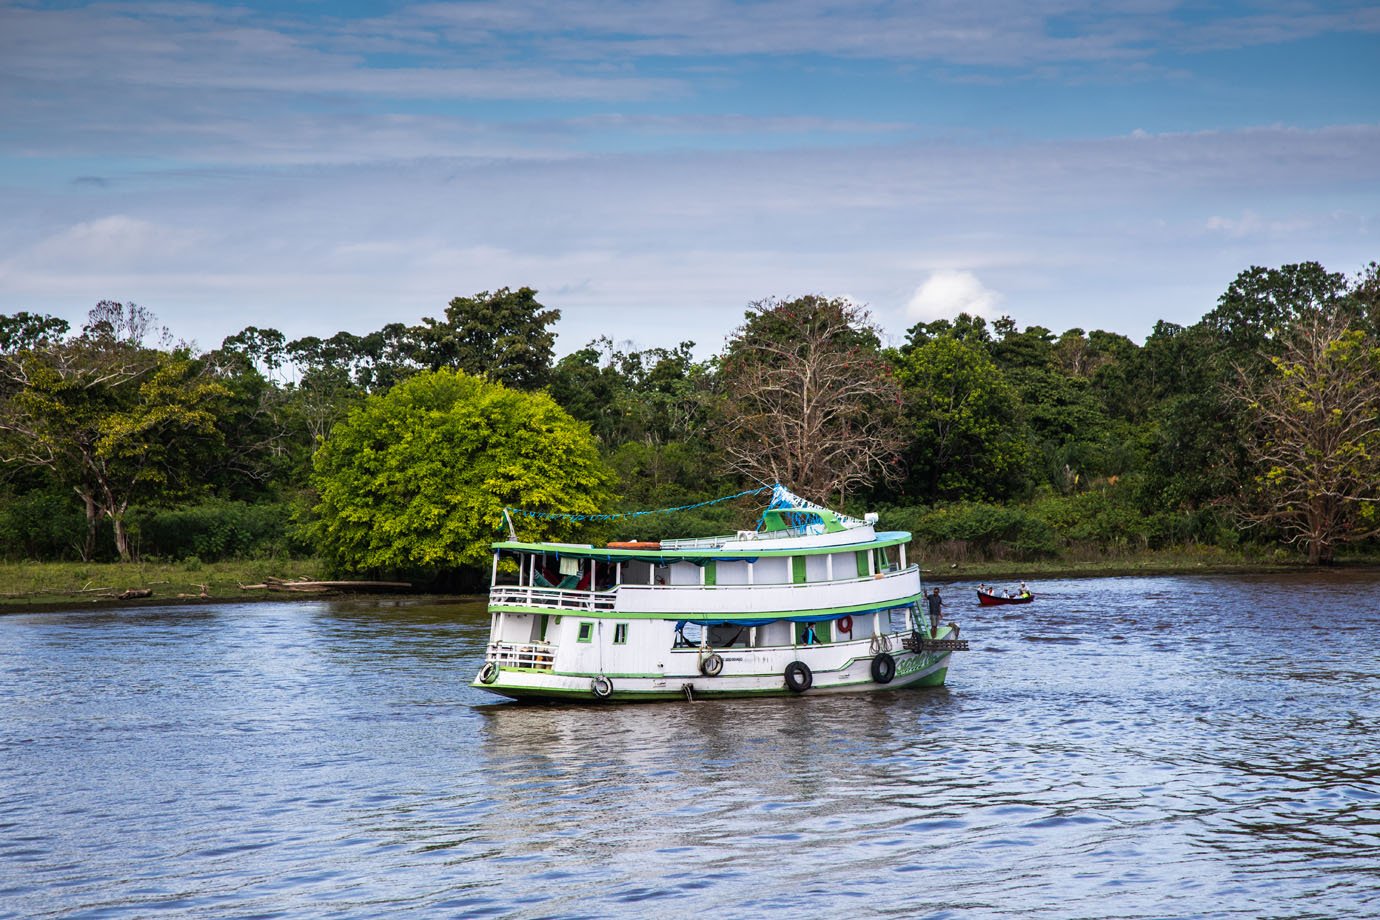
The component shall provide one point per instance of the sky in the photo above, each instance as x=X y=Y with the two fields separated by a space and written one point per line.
x=652 y=169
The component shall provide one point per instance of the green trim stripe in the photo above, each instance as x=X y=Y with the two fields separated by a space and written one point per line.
x=698 y=617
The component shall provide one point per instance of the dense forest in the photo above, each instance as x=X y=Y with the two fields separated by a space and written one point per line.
x=1256 y=428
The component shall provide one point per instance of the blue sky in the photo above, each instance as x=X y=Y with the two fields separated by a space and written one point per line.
x=653 y=168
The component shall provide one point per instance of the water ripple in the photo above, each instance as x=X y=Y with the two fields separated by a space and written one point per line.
x=1135 y=747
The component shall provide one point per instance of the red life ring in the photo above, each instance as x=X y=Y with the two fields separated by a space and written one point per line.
x=846 y=625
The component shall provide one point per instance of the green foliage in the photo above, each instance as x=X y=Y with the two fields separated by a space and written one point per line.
x=981 y=529
x=1128 y=448
x=42 y=525
x=968 y=329
x=416 y=479
x=667 y=475
x=502 y=336
x=968 y=440
x=109 y=417
x=23 y=331
x=215 y=531
x=1262 y=303
x=654 y=396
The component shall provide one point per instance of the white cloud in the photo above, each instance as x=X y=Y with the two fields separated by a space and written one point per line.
x=1252 y=224
x=947 y=293
x=116 y=241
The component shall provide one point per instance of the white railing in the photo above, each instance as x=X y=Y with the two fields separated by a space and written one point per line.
x=880 y=590
x=762 y=596
x=745 y=536
x=520 y=655
x=699 y=542
x=554 y=598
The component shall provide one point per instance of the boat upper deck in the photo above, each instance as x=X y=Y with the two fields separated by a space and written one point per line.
x=783 y=532
x=733 y=546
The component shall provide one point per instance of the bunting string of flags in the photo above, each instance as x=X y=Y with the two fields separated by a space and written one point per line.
x=564 y=516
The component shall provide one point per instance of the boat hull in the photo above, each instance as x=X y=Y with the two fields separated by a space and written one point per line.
x=744 y=674
x=993 y=600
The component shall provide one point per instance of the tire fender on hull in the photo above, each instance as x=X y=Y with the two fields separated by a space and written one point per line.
x=799 y=677
x=883 y=668
x=712 y=666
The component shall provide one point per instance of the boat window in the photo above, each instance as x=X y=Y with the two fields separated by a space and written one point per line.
x=775 y=633
x=688 y=635
x=586 y=632
x=726 y=636
x=897 y=618
x=620 y=634
x=772 y=570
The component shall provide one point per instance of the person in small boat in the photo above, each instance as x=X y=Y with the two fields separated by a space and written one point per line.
x=1025 y=592
x=936 y=605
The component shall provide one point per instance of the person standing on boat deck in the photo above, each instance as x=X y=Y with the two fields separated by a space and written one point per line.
x=936 y=611
x=810 y=637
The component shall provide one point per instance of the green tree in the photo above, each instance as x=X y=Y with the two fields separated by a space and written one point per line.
x=1190 y=429
x=22 y=330
x=503 y=336
x=656 y=395
x=968 y=441
x=969 y=329
x=1261 y=304
x=416 y=479
x=110 y=418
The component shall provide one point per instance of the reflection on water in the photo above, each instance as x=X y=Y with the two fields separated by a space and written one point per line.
x=1120 y=748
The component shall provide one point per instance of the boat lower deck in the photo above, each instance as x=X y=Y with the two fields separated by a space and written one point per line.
x=887 y=662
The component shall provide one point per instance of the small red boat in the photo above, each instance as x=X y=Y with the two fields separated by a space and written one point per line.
x=988 y=599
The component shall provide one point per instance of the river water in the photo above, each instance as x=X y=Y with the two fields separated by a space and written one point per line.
x=1133 y=747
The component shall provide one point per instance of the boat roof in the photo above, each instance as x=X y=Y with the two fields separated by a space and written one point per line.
x=700 y=553
x=789 y=526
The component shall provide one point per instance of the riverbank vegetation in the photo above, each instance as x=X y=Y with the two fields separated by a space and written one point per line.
x=26 y=584
x=1250 y=437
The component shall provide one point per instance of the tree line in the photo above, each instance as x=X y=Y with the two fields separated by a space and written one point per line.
x=397 y=450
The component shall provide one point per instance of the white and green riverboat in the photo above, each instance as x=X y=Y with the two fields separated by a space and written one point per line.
x=812 y=601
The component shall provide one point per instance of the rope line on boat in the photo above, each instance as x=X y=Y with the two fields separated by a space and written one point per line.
x=565 y=516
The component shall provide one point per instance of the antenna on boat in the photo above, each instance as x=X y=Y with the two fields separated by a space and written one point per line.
x=512 y=531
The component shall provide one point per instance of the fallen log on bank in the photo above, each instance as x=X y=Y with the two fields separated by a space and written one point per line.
x=307 y=586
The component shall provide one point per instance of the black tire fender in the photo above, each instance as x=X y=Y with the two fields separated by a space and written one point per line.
x=601 y=687
x=799 y=677
x=489 y=673
x=712 y=666
x=883 y=668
